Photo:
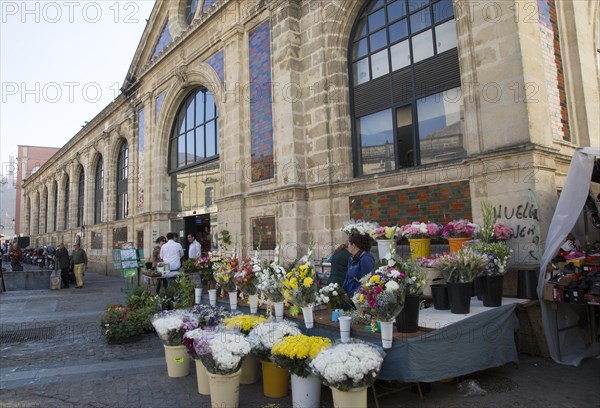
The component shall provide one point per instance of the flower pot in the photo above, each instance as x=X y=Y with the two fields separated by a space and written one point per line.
x=439 y=293
x=249 y=370
x=355 y=398
x=233 y=300
x=212 y=297
x=419 y=247
x=459 y=296
x=278 y=311
x=408 y=319
x=492 y=295
x=345 y=327
x=202 y=378
x=253 y=303
x=384 y=247
x=225 y=390
x=178 y=361
x=387 y=334
x=527 y=281
x=456 y=244
x=307 y=314
x=197 y=296
x=306 y=391
x=479 y=286
x=275 y=380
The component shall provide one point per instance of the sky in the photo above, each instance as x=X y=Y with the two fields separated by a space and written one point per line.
x=61 y=63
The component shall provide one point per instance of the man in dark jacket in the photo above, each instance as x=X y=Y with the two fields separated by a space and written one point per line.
x=63 y=262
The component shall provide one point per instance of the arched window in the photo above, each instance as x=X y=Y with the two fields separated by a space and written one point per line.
x=38 y=213
x=195 y=134
x=405 y=94
x=99 y=191
x=55 y=206
x=29 y=216
x=189 y=11
x=122 y=182
x=46 y=202
x=66 y=205
x=80 y=197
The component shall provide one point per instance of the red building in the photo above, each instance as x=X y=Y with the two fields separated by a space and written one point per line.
x=29 y=160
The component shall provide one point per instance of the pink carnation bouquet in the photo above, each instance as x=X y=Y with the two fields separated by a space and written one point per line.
x=501 y=232
x=460 y=229
x=420 y=230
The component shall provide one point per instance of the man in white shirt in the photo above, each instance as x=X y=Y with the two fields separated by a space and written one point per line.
x=172 y=252
x=194 y=250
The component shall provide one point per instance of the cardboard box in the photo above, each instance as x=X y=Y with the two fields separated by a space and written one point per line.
x=549 y=291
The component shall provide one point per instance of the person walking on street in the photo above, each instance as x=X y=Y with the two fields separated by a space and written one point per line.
x=79 y=261
x=63 y=263
x=16 y=255
x=194 y=250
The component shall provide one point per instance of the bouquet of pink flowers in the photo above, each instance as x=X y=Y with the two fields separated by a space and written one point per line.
x=381 y=293
x=501 y=232
x=386 y=232
x=420 y=230
x=460 y=229
x=245 y=279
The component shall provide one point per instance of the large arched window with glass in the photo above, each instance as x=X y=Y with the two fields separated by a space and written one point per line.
x=45 y=204
x=123 y=182
x=66 y=203
x=194 y=153
x=189 y=10
x=195 y=134
x=99 y=191
x=406 y=99
x=55 y=206
x=80 y=197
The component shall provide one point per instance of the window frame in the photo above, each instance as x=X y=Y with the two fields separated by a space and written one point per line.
x=360 y=32
x=99 y=191
x=122 y=201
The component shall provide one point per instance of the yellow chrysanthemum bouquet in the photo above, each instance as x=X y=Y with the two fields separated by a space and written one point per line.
x=294 y=353
x=244 y=323
x=300 y=285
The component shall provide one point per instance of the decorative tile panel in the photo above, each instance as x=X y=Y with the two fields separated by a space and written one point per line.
x=265 y=227
x=217 y=62
x=164 y=40
x=207 y=4
x=141 y=162
x=159 y=101
x=439 y=203
x=261 y=120
x=555 y=77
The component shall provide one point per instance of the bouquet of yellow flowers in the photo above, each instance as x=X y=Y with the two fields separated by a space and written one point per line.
x=224 y=272
x=244 y=323
x=300 y=286
x=295 y=352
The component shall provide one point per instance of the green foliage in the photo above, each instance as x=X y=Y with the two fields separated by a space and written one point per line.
x=189 y=266
x=119 y=323
x=489 y=219
x=185 y=293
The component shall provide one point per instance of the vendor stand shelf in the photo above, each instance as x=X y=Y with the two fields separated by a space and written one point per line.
x=445 y=346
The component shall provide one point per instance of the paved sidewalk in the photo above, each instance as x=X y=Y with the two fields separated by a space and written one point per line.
x=70 y=365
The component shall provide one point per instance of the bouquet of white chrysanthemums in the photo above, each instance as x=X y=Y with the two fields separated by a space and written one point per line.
x=348 y=366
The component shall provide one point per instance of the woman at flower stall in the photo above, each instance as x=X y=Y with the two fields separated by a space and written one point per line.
x=360 y=264
x=339 y=264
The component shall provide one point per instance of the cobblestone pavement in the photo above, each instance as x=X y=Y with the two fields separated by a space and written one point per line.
x=67 y=363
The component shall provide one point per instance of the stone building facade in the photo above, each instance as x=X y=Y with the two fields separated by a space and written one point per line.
x=289 y=117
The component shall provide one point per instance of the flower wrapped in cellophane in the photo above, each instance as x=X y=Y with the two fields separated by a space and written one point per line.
x=295 y=352
x=224 y=271
x=221 y=351
x=264 y=336
x=359 y=227
x=415 y=278
x=170 y=325
x=209 y=316
x=300 y=284
x=270 y=279
x=381 y=293
x=348 y=366
x=244 y=323
x=333 y=295
x=246 y=277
